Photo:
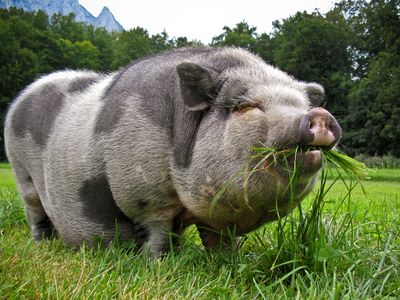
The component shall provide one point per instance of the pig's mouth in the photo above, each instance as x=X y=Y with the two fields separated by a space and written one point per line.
x=306 y=159
x=309 y=158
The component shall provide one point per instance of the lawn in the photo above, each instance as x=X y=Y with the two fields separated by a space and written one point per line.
x=350 y=251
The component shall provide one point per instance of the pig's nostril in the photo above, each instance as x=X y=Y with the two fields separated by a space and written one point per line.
x=318 y=127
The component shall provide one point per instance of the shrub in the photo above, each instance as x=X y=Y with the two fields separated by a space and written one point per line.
x=386 y=161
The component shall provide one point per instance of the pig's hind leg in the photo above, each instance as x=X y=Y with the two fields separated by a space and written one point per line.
x=38 y=220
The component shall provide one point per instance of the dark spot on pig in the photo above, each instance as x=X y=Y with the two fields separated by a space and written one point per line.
x=115 y=80
x=99 y=207
x=114 y=99
x=81 y=84
x=156 y=103
x=160 y=111
x=120 y=75
x=109 y=114
x=98 y=201
x=142 y=203
x=37 y=113
x=184 y=136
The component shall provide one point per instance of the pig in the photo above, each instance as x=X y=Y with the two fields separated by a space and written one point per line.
x=139 y=154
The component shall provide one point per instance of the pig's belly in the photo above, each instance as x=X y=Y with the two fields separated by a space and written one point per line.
x=235 y=212
x=246 y=219
x=240 y=219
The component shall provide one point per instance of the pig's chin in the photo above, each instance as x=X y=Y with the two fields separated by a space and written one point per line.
x=309 y=161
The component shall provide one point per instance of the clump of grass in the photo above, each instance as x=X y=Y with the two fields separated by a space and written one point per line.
x=331 y=158
x=341 y=161
x=334 y=163
x=304 y=237
x=11 y=209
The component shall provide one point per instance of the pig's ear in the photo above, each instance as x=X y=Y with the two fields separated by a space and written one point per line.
x=197 y=85
x=315 y=93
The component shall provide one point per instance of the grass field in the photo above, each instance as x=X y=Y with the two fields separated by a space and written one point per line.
x=350 y=251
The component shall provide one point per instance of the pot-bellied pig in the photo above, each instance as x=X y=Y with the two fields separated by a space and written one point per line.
x=140 y=153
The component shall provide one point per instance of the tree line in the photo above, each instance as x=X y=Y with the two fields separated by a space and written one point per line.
x=353 y=51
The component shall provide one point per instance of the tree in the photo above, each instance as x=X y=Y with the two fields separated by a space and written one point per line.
x=130 y=45
x=40 y=21
x=79 y=55
x=105 y=43
x=242 y=36
x=374 y=26
x=245 y=36
x=373 y=125
x=264 y=47
x=160 y=42
x=67 y=28
x=314 y=48
x=184 y=42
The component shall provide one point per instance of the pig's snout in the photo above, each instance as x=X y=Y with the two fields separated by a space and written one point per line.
x=319 y=128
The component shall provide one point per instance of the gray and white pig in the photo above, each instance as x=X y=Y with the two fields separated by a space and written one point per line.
x=139 y=154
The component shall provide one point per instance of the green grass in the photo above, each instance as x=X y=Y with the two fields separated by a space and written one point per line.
x=6 y=177
x=353 y=253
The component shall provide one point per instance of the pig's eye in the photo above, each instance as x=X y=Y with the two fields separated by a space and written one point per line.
x=246 y=106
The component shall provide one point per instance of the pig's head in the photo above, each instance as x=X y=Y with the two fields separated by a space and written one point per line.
x=241 y=108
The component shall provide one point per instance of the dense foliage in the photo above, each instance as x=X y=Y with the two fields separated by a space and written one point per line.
x=353 y=51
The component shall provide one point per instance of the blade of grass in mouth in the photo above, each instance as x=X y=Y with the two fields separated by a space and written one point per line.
x=332 y=160
x=331 y=157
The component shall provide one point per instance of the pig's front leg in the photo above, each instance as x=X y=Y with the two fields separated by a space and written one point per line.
x=158 y=240
x=217 y=239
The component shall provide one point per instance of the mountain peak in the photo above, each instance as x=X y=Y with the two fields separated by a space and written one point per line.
x=105 y=18
x=105 y=10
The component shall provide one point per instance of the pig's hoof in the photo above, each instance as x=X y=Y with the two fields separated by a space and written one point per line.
x=214 y=240
x=43 y=230
x=159 y=243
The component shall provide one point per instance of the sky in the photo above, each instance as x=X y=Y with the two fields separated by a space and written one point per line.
x=202 y=19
